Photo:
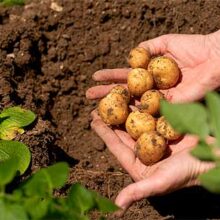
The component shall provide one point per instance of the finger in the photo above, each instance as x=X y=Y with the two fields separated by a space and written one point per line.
x=139 y=190
x=98 y=92
x=188 y=141
x=125 y=138
x=124 y=154
x=157 y=45
x=111 y=75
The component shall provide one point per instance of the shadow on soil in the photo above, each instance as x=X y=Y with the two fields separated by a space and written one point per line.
x=191 y=203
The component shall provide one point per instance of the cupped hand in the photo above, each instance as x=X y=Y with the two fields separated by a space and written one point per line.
x=198 y=57
x=176 y=171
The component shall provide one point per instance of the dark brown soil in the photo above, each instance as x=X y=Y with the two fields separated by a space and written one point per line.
x=47 y=59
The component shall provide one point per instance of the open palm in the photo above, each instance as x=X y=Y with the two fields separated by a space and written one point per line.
x=196 y=55
x=176 y=171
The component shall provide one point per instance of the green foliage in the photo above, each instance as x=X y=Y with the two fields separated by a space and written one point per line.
x=200 y=120
x=213 y=103
x=211 y=180
x=12 y=2
x=17 y=151
x=13 y=120
x=34 y=198
x=186 y=118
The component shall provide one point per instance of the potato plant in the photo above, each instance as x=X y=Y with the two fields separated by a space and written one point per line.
x=201 y=120
x=33 y=198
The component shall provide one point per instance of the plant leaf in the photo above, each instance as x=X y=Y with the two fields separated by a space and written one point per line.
x=17 y=151
x=8 y=170
x=36 y=207
x=44 y=181
x=104 y=204
x=203 y=152
x=186 y=118
x=13 y=119
x=211 y=180
x=80 y=199
x=10 y=211
x=213 y=103
x=12 y=2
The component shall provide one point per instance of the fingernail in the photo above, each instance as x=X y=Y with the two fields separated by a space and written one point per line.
x=95 y=76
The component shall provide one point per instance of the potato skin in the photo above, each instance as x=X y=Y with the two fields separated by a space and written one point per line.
x=150 y=102
x=113 y=109
x=122 y=91
x=138 y=123
x=166 y=130
x=150 y=147
x=165 y=72
x=139 y=81
x=139 y=58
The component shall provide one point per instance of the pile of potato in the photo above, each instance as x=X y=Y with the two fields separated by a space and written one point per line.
x=145 y=124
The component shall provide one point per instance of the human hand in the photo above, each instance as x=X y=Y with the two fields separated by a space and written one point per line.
x=198 y=57
x=177 y=171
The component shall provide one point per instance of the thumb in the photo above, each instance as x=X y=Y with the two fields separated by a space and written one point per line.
x=151 y=186
x=157 y=45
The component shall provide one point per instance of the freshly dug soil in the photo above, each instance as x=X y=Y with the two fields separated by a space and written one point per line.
x=47 y=58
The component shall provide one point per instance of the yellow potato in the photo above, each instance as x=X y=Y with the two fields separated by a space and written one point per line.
x=166 y=130
x=139 y=58
x=165 y=72
x=139 y=81
x=122 y=91
x=113 y=109
x=150 y=102
x=137 y=123
x=150 y=147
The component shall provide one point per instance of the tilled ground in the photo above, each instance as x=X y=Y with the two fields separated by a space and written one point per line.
x=47 y=59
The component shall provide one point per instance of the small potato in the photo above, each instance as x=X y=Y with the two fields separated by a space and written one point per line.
x=137 y=123
x=150 y=102
x=139 y=81
x=150 y=147
x=122 y=91
x=139 y=58
x=165 y=72
x=113 y=109
x=165 y=129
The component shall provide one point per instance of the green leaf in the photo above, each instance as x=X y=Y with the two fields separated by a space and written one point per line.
x=204 y=152
x=213 y=103
x=12 y=2
x=46 y=180
x=13 y=120
x=8 y=171
x=59 y=210
x=36 y=207
x=17 y=151
x=186 y=118
x=211 y=180
x=104 y=204
x=83 y=200
x=80 y=199
x=10 y=211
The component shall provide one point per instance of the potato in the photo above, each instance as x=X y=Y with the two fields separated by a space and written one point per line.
x=166 y=130
x=122 y=91
x=113 y=109
x=137 y=123
x=150 y=102
x=139 y=58
x=150 y=147
x=139 y=81
x=165 y=72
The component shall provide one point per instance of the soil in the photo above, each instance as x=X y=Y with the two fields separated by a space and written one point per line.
x=47 y=58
